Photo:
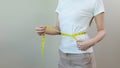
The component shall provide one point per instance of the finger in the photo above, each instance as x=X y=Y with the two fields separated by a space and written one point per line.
x=40 y=29
x=79 y=46
x=78 y=43
x=42 y=26
x=41 y=33
x=84 y=49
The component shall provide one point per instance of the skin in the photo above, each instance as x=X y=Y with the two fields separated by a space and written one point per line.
x=82 y=45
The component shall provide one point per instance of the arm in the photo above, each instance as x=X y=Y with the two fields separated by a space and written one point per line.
x=99 y=19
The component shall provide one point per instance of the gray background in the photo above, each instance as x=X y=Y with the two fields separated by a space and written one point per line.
x=20 y=45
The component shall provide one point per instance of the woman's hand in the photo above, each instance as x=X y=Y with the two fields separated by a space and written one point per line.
x=84 y=45
x=41 y=30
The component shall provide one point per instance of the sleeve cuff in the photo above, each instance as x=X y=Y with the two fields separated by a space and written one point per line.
x=102 y=11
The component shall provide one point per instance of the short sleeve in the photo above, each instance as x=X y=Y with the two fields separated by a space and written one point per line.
x=58 y=6
x=99 y=7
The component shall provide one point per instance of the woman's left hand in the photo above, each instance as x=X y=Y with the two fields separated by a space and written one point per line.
x=84 y=45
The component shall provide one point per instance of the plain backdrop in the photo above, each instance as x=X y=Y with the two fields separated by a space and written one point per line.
x=20 y=46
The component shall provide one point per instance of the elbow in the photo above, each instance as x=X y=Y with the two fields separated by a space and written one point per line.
x=102 y=32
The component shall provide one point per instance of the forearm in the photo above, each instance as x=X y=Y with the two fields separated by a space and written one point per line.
x=53 y=32
x=99 y=36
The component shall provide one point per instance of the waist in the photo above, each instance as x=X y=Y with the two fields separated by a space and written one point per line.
x=74 y=36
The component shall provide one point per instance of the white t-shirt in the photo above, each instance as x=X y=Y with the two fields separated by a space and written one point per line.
x=74 y=16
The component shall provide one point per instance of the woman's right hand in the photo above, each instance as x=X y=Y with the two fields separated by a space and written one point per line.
x=41 y=30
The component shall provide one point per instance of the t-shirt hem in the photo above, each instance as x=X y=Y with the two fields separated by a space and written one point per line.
x=76 y=52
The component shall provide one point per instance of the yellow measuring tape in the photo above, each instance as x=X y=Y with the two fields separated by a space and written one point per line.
x=62 y=34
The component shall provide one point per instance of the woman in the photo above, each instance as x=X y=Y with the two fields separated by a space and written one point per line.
x=75 y=16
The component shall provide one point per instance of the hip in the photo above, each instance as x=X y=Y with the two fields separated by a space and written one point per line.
x=70 y=60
